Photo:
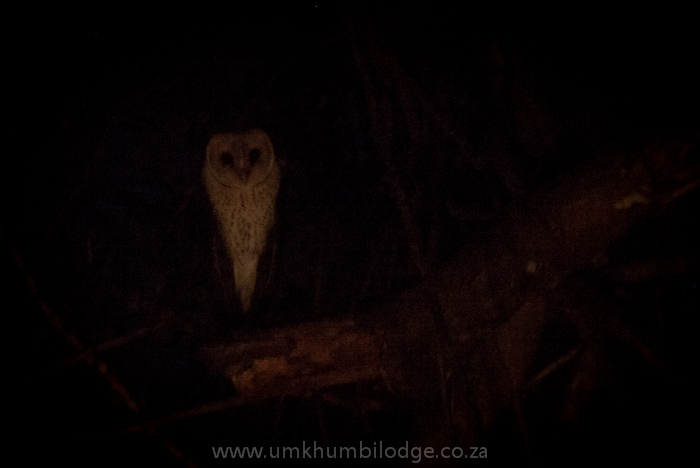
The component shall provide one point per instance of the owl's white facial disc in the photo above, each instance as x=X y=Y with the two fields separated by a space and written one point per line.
x=241 y=159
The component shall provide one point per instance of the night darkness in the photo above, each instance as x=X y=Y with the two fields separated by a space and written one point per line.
x=481 y=239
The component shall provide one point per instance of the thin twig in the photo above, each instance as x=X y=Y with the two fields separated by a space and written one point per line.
x=87 y=354
x=551 y=368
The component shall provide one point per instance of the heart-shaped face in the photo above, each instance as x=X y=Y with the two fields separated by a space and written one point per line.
x=240 y=159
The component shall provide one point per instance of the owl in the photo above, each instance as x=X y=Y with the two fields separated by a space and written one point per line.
x=242 y=179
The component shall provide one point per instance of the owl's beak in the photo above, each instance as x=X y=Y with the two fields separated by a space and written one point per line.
x=243 y=169
x=245 y=174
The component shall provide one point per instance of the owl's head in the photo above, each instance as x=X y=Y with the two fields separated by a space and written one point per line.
x=240 y=159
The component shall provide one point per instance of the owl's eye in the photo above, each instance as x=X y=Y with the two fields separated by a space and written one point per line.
x=227 y=158
x=254 y=155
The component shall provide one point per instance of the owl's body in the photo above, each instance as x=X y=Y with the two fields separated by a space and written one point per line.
x=242 y=179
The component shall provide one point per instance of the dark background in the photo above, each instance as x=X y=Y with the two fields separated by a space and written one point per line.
x=102 y=200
